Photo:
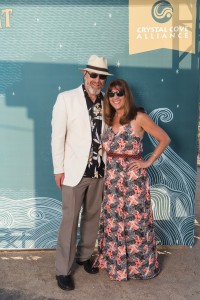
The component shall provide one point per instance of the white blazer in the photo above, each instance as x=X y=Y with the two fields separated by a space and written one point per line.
x=71 y=135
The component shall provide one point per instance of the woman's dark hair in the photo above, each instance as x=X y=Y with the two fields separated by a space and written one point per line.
x=130 y=109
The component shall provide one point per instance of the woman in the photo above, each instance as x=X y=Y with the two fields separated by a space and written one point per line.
x=126 y=240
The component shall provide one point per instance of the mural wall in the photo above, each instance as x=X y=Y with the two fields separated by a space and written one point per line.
x=151 y=44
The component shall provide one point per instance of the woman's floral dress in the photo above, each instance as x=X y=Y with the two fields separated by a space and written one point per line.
x=126 y=240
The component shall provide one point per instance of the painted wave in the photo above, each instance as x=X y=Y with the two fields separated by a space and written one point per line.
x=173 y=185
x=29 y=223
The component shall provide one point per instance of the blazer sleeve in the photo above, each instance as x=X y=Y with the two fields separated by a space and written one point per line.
x=59 y=132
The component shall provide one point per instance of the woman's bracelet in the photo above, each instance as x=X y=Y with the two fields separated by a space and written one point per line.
x=155 y=155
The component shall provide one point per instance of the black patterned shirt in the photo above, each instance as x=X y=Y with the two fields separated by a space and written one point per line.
x=95 y=166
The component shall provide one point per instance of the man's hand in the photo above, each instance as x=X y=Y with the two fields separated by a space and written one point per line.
x=59 y=178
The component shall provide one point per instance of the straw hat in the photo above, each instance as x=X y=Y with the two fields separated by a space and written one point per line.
x=97 y=65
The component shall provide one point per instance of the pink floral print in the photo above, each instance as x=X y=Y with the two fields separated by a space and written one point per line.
x=126 y=239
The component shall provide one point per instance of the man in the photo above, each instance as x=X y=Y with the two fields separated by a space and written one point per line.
x=79 y=169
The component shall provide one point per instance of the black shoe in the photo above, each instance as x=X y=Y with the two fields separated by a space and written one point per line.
x=88 y=266
x=65 y=282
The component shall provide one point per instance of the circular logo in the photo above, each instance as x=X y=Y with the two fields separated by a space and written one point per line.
x=162 y=11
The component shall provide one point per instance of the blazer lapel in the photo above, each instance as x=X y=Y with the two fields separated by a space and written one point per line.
x=103 y=123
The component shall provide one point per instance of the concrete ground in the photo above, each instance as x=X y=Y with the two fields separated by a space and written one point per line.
x=31 y=275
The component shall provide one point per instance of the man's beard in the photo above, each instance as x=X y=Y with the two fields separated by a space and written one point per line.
x=91 y=90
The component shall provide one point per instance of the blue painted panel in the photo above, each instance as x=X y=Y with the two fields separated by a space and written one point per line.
x=41 y=53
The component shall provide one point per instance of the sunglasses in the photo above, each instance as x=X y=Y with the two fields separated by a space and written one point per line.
x=118 y=94
x=95 y=75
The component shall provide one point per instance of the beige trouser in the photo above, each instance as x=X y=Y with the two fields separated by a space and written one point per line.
x=88 y=194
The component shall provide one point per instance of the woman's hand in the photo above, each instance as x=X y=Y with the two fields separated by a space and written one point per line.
x=137 y=164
